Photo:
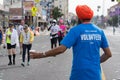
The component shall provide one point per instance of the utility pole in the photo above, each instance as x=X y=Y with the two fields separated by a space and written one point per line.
x=103 y=7
x=22 y=11
x=118 y=14
x=11 y=2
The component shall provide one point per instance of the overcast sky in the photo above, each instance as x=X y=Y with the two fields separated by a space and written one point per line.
x=1 y=1
x=93 y=4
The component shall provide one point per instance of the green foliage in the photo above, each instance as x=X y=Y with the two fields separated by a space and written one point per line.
x=113 y=21
x=56 y=13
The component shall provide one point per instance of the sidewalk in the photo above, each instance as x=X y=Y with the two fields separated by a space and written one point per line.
x=109 y=31
x=4 y=52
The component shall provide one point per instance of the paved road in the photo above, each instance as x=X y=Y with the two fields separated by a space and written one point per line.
x=57 y=68
x=112 y=66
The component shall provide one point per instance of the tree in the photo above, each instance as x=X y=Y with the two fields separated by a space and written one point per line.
x=56 y=13
x=115 y=20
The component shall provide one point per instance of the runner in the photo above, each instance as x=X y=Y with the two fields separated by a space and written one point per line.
x=26 y=38
x=54 y=29
x=12 y=41
x=62 y=31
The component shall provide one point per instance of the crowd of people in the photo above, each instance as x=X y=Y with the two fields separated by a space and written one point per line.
x=85 y=38
x=22 y=36
x=57 y=32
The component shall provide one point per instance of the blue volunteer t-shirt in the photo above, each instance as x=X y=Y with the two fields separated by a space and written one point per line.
x=86 y=41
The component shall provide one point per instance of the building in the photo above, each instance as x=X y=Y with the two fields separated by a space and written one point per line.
x=8 y=3
x=63 y=5
x=21 y=9
x=3 y=17
x=114 y=11
x=48 y=6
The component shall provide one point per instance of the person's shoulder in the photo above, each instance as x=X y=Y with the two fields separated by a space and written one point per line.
x=97 y=27
x=14 y=30
x=22 y=32
x=57 y=25
x=20 y=26
x=7 y=29
x=75 y=27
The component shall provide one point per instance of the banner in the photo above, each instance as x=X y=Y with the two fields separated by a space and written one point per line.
x=27 y=5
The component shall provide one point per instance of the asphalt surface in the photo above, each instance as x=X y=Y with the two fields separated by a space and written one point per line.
x=56 y=68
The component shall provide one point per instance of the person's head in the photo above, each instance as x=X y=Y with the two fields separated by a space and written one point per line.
x=11 y=25
x=54 y=22
x=22 y=22
x=61 y=22
x=51 y=22
x=25 y=27
x=84 y=13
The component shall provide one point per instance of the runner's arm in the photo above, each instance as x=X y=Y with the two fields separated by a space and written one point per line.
x=107 y=54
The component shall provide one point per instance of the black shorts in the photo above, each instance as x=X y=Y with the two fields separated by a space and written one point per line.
x=54 y=40
x=9 y=46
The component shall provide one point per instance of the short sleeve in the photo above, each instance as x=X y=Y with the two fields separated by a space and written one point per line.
x=104 y=43
x=69 y=40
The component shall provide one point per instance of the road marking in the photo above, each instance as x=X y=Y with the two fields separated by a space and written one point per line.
x=103 y=76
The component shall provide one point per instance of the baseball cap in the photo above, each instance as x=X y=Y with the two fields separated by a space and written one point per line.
x=54 y=21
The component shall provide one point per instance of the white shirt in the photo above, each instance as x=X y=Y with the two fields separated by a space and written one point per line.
x=20 y=29
x=26 y=37
x=54 y=30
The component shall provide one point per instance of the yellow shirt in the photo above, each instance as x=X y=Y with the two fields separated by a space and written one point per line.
x=8 y=33
x=22 y=38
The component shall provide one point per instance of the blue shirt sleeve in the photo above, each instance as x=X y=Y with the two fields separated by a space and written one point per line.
x=104 y=43
x=70 y=39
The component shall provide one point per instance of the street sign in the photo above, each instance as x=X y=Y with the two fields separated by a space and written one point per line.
x=37 y=1
x=27 y=5
x=33 y=13
x=34 y=9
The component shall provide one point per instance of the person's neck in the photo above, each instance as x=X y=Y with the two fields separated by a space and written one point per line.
x=86 y=22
